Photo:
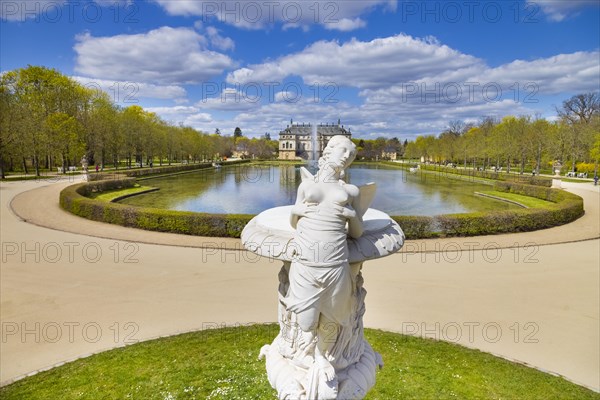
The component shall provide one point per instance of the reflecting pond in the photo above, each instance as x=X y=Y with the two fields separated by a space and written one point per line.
x=249 y=189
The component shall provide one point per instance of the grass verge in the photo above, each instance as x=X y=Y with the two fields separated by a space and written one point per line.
x=223 y=364
x=527 y=201
x=118 y=194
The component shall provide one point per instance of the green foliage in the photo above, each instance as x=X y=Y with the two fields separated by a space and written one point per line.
x=223 y=364
x=471 y=173
x=417 y=227
x=74 y=199
x=48 y=120
x=565 y=208
x=561 y=207
x=522 y=143
x=590 y=168
x=527 y=201
x=120 y=194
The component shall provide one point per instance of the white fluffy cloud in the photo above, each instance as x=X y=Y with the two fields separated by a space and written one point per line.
x=406 y=86
x=374 y=64
x=131 y=92
x=258 y=14
x=162 y=56
x=387 y=69
x=558 y=10
x=346 y=24
x=577 y=72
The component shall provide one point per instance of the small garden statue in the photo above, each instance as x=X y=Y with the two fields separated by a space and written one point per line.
x=84 y=166
x=320 y=352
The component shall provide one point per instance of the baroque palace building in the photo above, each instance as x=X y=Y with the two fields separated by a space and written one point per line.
x=296 y=141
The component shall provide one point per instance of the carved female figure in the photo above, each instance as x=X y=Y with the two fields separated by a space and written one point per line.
x=320 y=352
x=320 y=288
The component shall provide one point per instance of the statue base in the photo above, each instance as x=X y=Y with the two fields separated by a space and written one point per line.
x=331 y=360
x=293 y=382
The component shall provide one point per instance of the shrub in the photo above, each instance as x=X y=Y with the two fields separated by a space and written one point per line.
x=174 y=168
x=497 y=176
x=566 y=207
x=590 y=168
x=200 y=224
x=416 y=227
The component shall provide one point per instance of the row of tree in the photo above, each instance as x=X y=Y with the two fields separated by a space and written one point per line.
x=378 y=149
x=521 y=143
x=48 y=120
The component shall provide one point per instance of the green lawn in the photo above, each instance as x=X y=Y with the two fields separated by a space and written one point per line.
x=577 y=180
x=527 y=201
x=111 y=195
x=223 y=364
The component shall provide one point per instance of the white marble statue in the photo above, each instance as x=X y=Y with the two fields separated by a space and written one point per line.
x=84 y=166
x=320 y=352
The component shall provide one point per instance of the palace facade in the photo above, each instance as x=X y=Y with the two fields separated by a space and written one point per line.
x=296 y=141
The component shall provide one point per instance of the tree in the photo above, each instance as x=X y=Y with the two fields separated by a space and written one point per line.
x=580 y=108
x=456 y=127
x=65 y=137
x=40 y=92
x=595 y=153
x=538 y=134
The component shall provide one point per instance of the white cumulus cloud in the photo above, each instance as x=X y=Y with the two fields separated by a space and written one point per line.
x=374 y=64
x=558 y=10
x=162 y=56
x=130 y=92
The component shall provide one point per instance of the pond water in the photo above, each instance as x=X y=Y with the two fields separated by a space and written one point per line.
x=248 y=189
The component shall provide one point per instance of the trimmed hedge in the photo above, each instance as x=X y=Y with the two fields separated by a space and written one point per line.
x=567 y=207
x=496 y=176
x=165 y=169
x=73 y=199
x=417 y=227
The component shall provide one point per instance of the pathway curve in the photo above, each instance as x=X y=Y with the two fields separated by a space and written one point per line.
x=86 y=287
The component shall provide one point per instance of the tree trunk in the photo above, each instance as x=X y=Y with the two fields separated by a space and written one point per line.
x=2 y=176
x=25 y=166
x=36 y=163
x=522 y=164
x=539 y=160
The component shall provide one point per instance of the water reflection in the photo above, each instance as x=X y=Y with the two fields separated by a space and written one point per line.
x=251 y=189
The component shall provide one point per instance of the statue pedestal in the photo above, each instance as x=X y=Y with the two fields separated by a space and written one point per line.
x=293 y=366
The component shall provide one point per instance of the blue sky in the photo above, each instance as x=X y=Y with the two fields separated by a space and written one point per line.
x=384 y=67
